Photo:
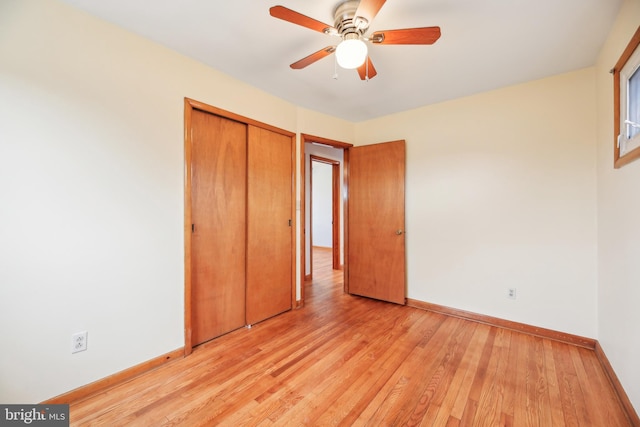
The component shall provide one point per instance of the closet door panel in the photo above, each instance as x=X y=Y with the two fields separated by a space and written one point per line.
x=269 y=231
x=218 y=177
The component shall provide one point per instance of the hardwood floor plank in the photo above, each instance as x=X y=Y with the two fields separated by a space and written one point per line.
x=552 y=384
x=599 y=381
x=510 y=381
x=457 y=393
x=524 y=409
x=469 y=414
x=491 y=397
x=341 y=377
x=478 y=381
x=379 y=368
x=591 y=399
x=567 y=382
x=451 y=422
x=535 y=385
x=345 y=360
x=403 y=389
x=433 y=392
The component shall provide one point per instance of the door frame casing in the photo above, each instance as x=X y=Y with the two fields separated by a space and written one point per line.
x=335 y=211
x=189 y=106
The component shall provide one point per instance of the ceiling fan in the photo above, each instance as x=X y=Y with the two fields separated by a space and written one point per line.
x=352 y=20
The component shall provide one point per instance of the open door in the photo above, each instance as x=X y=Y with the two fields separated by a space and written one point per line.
x=376 y=239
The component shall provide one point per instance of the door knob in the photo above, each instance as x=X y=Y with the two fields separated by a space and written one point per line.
x=399 y=232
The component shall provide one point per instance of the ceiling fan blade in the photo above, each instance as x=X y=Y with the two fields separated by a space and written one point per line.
x=424 y=35
x=368 y=9
x=294 y=17
x=367 y=70
x=313 y=57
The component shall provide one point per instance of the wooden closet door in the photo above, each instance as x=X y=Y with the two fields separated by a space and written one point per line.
x=218 y=195
x=269 y=230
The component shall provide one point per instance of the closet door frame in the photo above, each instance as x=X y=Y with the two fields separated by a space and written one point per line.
x=189 y=106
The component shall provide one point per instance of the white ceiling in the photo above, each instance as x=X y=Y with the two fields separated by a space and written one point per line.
x=485 y=44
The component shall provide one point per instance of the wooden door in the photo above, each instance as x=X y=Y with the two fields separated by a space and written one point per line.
x=269 y=224
x=376 y=241
x=218 y=195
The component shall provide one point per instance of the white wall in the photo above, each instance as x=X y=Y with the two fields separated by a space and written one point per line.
x=501 y=192
x=321 y=204
x=618 y=224
x=91 y=192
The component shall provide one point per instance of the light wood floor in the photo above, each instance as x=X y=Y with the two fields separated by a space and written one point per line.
x=344 y=360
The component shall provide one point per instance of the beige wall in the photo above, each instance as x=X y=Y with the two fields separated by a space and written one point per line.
x=618 y=224
x=501 y=193
x=91 y=190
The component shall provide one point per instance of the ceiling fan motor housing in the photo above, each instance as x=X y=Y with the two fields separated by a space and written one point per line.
x=348 y=25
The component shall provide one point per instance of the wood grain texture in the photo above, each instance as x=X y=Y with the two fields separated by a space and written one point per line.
x=269 y=224
x=297 y=18
x=376 y=248
x=368 y=9
x=215 y=212
x=345 y=360
x=423 y=35
x=188 y=335
x=315 y=56
x=589 y=343
x=336 y=198
x=367 y=70
x=218 y=197
x=617 y=385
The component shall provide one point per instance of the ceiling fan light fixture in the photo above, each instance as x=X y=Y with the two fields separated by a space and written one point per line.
x=351 y=53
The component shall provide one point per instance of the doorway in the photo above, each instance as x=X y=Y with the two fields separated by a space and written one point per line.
x=331 y=154
x=325 y=210
x=373 y=194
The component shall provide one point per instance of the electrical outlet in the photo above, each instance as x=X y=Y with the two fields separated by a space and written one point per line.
x=511 y=293
x=79 y=342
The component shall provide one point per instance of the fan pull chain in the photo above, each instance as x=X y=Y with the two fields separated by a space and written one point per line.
x=366 y=74
x=335 y=67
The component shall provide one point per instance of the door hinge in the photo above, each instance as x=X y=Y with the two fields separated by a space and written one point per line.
x=193 y=228
x=289 y=223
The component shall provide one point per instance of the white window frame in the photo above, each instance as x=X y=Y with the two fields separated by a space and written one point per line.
x=625 y=149
x=626 y=143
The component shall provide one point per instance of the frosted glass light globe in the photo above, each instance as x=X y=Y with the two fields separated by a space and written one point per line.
x=351 y=53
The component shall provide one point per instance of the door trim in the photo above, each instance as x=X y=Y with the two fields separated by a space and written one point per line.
x=335 y=211
x=189 y=106
x=306 y=138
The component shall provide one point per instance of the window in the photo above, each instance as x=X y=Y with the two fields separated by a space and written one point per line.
x=626 y=82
